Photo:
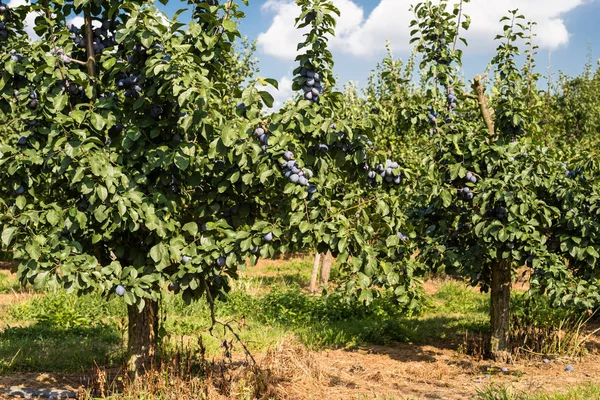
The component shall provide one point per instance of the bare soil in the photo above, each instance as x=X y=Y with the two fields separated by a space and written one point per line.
x=402 y=370
x=7 y=265
x=426 y=372
x=398 y=371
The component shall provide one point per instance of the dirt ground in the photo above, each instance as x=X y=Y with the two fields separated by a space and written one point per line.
x=402 y=370
x=396 y=371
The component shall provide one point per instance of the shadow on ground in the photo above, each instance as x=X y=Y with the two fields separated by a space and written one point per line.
x=48 y=348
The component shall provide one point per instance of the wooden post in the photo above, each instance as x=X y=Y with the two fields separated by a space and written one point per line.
x=142 y=337
x=326 y=268
x=500 y=310
x=315 y=273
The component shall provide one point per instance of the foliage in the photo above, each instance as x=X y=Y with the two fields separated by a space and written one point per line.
x=573 y=111
x=139 y=148
x=538 y=328
x=491 y=191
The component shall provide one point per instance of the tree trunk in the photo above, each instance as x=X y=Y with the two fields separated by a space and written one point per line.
x=500 y=310
x=142 y=336
x=315 y=273
x=326 y=269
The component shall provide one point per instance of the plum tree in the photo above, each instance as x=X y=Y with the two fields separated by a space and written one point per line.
x=339 y=207
x=113 y=157
x=510 y=188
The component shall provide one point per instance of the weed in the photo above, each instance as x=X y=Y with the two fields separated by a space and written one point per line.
x=8 y=283
x=539 y=329
x=53 y=349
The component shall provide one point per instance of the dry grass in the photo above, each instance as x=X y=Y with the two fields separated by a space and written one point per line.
x=290 y=371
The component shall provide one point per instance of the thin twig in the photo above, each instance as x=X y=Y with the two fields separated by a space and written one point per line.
x=365 y=202
x=226 y=325
x=460 y=11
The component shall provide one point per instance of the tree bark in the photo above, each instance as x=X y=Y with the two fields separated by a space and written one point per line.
x=142 y=336
x=485 y=112
x=326 y=268
x=500 y=310
x=315 y=273
x=89 y=44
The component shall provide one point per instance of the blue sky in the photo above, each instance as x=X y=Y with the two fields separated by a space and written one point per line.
x=566 y=30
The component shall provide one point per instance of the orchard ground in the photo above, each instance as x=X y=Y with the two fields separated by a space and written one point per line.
x=314 y=348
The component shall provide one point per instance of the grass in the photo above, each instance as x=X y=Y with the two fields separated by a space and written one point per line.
x=53 y=324
x=498 y=392
x=57 y=332
x=8 y=283
x=52 y=349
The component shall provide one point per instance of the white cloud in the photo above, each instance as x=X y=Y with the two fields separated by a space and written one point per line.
x=284 y=93
x=77 y=21
x=361 y=35
x=29 y=19
x=281 y=38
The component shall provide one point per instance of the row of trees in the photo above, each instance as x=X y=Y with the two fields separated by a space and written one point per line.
x=128 y=168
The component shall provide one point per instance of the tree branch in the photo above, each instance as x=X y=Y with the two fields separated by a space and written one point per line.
x=226 y=325
x=485 y=111
x=89 y=34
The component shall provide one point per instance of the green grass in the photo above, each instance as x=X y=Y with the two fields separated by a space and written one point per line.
x=58 y=332
x=281 y=310
x=587 y=392
x=8 y=283
x=47 y=348
x=497 y=392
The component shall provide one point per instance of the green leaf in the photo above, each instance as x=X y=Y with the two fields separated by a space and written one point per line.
x=53 y=217
x=191 y=228
x=97 y=121
x=229 y=25
x=102 y=192
x=393 y=278
x=592 y=252
x=7 y=235
x=446 y=198
x=363 y=280
x=157 y=253
x=182 y=162
x=229 y=136
x=305 y=226
x=267 y=98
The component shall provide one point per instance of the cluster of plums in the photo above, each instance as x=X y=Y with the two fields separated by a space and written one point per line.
x=343 y=143
x=3 y=31
x=471 y=177
x=33 y=100
x=295 y=174
x=72 y=89
x=432 y=116
x=452 y=99
x=465 y=193
x=262 y=136
x=385 y=171
x=573 y=174
x=312 y=87
x=103 y=36
x=139 y=53
x=498 y=213
x=131 y=85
